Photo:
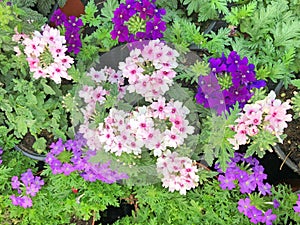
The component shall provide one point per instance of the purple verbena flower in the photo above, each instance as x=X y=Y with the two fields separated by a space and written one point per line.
x=138 y=20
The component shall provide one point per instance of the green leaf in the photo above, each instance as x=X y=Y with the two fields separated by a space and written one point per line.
x=21 y=125
x=47 y=89
x=40 y=145
x=296 y=83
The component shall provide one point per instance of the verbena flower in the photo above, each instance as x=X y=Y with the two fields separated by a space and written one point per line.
x=178 y=173
x=150 y=70
x=246 y=173
x=72 y=26
x=297 y=206
x=27 y=186
x=68 y=157
x=138 y=20
x=230 y=80
x=46 y=54
x=269 y=114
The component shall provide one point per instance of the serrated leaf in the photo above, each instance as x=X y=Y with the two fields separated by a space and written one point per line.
x=40 y=145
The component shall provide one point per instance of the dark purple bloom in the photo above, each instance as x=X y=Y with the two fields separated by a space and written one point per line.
x=58 y=17
x=74 y=46
x=217 y=65
x=145 y=9
x=155 y=28
x=257 y=84
x=138 y=20
x=121 y=32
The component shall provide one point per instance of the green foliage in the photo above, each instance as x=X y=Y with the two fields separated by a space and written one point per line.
x=296 y=104
x=217 y=42
x=182 y=34
x=261 y=142
x=214 y=136
x=207 y=204
x=191 y=74
x=237 y=14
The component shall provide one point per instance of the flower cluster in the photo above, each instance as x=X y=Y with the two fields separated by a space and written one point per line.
x=230 y=80
x=72 y=25
x=269 y=114
x=92 y=96
x=138 y=20
x=69 y=157
x=27 y=186
x=256 y=215
x=249 y=175
x=179 y=173
x=46 y=54
x=155 y=127
x=150 y=70
x=297 y=206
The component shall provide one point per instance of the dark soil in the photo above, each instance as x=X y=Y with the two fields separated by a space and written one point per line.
x=291 y=144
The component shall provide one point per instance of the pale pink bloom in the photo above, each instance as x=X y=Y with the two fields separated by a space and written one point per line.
x=97 y=76
x=86 y=93
x=99 y=95
x=33 y=47
x=39 y=72
x=33 y=63
x=159 y=108
x=64 y=61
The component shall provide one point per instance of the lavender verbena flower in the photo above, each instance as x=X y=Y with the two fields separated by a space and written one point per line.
x=29 y=186
x=138 y=20
x=297 y=206
x=247 y=173
x=236 y=78
x=254 y=214
x=68 y=157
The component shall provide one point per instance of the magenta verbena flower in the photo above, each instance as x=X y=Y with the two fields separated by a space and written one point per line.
x=68 y=157
x=138 y=20
x=27 y=186
x=230 y=80
x=72 y=26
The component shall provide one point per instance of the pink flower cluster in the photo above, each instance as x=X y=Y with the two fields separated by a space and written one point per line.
x=92 y=95
x=150 y=70
x=269 y=114
x=155 y=127
x=179 y=173
x=46 y=54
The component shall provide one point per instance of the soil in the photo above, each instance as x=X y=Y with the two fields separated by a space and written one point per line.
x=291 y=144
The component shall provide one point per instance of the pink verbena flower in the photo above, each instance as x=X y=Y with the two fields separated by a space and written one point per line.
x=46 y=54
x=178 y=173
x=150 y=70
x=269 y=114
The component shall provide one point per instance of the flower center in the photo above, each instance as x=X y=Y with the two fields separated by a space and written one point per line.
x=136 y=24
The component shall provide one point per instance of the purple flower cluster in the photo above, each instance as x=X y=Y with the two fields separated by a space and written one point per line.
x=256 y=215
x=27 y=186
x=1 y=152
x=72 y=25
x=68 y=157
x=247 y=173
x=297 y=206
x=229 y=81
x=138 y=20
